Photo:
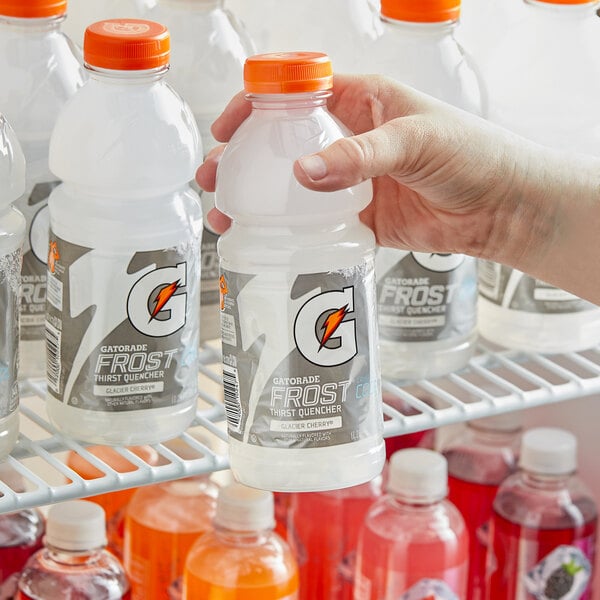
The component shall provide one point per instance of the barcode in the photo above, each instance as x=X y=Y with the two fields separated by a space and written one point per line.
x=489 y=278
x=53 y=357
x=231 y=394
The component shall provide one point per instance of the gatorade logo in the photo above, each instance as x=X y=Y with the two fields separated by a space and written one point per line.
x=441 y=263
x=322 y=331
x=126 y=28
x=157 y=304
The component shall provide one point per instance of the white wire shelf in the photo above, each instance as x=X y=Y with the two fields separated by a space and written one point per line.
x=495 y=381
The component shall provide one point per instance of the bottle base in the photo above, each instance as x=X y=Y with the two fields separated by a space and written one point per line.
x=535 y=332
x=308 y=469
x=134 y=428
x=402 y=361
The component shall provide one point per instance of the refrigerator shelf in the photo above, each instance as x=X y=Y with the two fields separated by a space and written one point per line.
x=495 y=381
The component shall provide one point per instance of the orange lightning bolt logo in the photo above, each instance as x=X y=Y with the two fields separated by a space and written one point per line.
x=163 y=297
x=332 y=322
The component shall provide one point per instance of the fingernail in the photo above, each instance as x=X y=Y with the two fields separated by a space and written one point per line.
x=314 y=167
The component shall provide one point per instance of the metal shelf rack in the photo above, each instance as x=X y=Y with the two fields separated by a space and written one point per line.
x=495 y=381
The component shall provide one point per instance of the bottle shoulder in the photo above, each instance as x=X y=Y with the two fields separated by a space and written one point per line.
x=552 y=505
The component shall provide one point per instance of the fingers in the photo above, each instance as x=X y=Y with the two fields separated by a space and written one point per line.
x=231 y=118
x=206 y=174
x=218 y=221
x=386 y=150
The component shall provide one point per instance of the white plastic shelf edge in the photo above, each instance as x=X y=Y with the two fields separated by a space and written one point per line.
x=494 y=382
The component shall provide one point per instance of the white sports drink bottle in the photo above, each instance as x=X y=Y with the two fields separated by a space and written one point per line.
x=125 y=230
x=40 y=71
x=302 y=389
x=544 y=83
x=12 y=236
x=427 y=301
x=208 y=50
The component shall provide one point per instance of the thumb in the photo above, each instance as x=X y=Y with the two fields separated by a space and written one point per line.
x=386 y=150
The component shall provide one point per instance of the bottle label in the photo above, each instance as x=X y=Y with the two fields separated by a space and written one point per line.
x=34 y=206
x=298 y=368
x=209 y=286
x=122 y=329
x=10 y=275
x=424 y=297
x=564 y=573
x=514 y=290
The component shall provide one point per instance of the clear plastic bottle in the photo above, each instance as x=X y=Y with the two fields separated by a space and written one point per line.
x=21 y=535
x=40 y=71
x=544 y=83
x=300 y=363
x=241 y=557
x=208 y=50
x=12 y=236
x=325 y=546
x=479 y=459
x=343 y=29
x=162 y=523
x=85 y=12
x=427 y=302
x=412 y=538
x=543 y=530
x=124 y=272
x=74 y=562
x=114 y=503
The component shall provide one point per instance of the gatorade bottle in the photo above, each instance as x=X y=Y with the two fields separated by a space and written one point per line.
x=479 y=460
x=21 y=535
x=543 y=532
x=302 y=389
x=40 y=71
x=74 y=563
x=85 y=12
x=241 y=558
x=207 y=59
x=549 y=96
x=122 y=324
x=427 y=302
x=413 y=541
x=113 y=503
x=162 y=523
x=344 y=29
x=12 y=236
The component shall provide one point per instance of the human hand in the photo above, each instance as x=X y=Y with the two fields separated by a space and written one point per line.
x=443 y=180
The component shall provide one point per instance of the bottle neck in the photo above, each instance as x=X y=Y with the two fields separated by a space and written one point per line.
x=122 y=77
x=493 y=437
x=73 y=558
x=414 y=502
x=242 y=538
x=287 y=102
x=33 y=27
x=563 y=11
x=546 y=482
x=437 y=29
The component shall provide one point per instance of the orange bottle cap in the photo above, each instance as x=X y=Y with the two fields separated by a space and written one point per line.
x=126 y=45
x=288 y=73
x=421 y=11
x=33 y=9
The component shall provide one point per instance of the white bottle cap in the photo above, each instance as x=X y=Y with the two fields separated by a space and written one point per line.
x=418 y=475
x=12 y=165
x=76 y=525
x=503 y=423
x=549 y=451
x=241 y=508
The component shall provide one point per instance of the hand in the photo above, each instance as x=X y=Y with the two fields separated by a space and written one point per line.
x=444 y=180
